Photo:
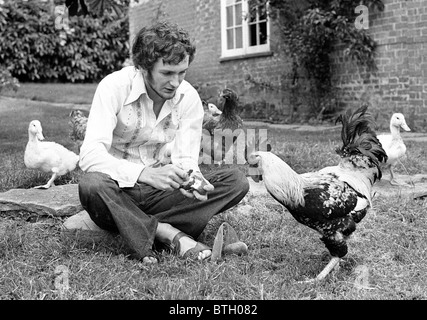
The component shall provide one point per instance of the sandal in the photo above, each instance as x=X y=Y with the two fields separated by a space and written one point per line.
x=193 y=252
x=227 y=242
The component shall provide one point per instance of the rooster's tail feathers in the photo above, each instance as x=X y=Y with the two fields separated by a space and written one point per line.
x=358 y=136
x=355 y=124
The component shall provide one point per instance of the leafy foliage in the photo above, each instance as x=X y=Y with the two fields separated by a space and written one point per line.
x=38 y=46
x=312 y=30
x=97 y=7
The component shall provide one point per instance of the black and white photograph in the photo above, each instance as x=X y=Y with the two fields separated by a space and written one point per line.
x=213 y=158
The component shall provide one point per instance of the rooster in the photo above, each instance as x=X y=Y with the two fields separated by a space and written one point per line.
x=221 y=133
x=333 y=200
x=78 y=123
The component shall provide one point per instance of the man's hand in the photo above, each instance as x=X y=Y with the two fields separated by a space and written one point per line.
x=168 y=177
x=196 y=186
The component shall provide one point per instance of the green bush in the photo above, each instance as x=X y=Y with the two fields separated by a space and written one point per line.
x=35 y=49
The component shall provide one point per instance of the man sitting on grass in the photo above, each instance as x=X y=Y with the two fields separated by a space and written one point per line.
x=135 y=112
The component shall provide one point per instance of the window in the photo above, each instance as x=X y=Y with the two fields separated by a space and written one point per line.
x=245 y=28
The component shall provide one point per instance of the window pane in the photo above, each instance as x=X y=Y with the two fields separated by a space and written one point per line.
x=252 y=17
x=238 y=12
x=239 y=37
x=230 y=39
x=229 y=14
x=231 y=2
x=245 y=27
x=263 y=33
x=262 y=13
x=252 y=11
x=252 y=34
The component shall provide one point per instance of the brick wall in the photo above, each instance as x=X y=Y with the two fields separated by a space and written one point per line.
x=201 y=18
x=147 y=12
x=399 y=84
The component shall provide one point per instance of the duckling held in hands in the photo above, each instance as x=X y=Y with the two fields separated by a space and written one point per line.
x=393 y=144
x=47 y=156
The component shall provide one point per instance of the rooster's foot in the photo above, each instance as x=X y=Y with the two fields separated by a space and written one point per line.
x=333 y=264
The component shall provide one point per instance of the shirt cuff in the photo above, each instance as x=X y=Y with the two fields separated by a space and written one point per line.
x=128 y=173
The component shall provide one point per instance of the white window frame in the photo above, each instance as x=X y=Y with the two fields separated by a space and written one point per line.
x=246 y=49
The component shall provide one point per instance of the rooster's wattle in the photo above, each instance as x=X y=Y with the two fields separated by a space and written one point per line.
x=332 y=200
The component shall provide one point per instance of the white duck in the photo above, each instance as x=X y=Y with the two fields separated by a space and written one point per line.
x=393 y=144
x=47 y=156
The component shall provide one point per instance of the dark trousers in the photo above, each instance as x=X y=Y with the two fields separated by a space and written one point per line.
x=134 y=212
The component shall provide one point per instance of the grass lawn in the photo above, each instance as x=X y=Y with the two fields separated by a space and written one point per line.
x=390 y=242
x=77 y=93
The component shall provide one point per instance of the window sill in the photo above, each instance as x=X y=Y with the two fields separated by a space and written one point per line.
x=246 y=56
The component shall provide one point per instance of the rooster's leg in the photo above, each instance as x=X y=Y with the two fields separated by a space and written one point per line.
x=49 y=183
x=329 y=267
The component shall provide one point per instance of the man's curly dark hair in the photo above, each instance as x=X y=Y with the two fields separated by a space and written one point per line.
x=161 y=40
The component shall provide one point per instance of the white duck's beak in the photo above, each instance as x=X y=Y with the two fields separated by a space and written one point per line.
x=35 y=129
x=40 y=136
x=405 y=127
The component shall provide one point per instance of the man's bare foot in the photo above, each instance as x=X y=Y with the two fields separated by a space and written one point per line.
x=186 y=243
x=183 y=245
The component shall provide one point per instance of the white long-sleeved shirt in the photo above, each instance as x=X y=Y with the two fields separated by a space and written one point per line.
x=123 y=135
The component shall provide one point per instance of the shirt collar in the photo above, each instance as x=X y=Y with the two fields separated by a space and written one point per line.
x=138 y=88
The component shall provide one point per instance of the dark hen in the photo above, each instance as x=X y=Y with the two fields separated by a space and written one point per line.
x=221 y=133
x=333 y=200
x=229 y=118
